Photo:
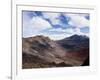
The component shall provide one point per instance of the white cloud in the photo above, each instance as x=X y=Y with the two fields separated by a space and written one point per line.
x=53 y=17
x=67 y=30
x=77 y=20
x=53 y=36
x=59 y=37
x=39 y=24
x=34 y=25
x=78 y=32
x=49 y=15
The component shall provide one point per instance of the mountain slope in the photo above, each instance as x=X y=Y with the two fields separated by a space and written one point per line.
x=75 y=41
x=40 y=51
x=76 y=46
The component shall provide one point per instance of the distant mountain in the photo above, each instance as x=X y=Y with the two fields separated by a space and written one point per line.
x=42 y=52
x=75 y=41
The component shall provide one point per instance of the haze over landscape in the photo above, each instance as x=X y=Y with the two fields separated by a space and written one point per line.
x=55 y=39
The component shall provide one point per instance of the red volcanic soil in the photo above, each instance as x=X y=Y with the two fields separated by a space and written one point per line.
x=80 y=54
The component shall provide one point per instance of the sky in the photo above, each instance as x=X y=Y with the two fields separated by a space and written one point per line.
x=55 y=25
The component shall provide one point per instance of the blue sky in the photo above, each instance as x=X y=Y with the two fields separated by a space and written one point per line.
x=56 y=25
